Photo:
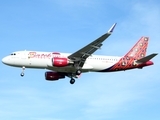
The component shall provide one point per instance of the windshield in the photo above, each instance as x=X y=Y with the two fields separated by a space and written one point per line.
x=13 y=54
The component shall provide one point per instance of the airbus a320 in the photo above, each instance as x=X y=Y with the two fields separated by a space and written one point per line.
x=73 y=65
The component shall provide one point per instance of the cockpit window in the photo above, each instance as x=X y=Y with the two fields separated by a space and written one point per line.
x=13 y=54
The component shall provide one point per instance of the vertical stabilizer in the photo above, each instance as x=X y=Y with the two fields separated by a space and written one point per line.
x=139 y=49
x=136 y=53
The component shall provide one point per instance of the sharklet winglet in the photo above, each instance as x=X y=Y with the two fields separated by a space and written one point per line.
x=112 y=28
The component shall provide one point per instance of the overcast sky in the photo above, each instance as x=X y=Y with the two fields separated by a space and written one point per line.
x=66 y=26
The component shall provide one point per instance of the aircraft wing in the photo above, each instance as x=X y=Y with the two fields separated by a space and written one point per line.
x=81 y=55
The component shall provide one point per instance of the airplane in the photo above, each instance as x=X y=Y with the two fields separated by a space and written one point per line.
x=61 y=65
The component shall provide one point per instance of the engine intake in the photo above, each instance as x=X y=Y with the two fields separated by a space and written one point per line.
x=52 y=76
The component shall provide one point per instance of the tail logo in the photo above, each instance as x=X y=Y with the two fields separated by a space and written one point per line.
x=137 y=52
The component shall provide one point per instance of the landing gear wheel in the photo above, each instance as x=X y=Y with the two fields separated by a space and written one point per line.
x=22 y=74
x=78 y=72
x=72 y=81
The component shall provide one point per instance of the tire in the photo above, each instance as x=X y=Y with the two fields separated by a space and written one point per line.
x=72 y=81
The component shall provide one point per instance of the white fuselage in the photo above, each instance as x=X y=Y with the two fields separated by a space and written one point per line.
x=43 y=60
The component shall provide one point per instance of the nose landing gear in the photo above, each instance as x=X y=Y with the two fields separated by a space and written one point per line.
x=22 y=73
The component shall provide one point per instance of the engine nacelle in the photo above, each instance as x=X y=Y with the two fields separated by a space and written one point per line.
x=52 y=76
x=60 y=62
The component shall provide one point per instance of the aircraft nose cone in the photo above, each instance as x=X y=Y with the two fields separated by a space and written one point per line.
x=4 y=60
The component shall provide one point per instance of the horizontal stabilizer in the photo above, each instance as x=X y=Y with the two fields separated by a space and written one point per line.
x=147 y=58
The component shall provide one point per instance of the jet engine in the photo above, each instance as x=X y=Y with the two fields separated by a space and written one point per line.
x=61 y=62
x=52 y=76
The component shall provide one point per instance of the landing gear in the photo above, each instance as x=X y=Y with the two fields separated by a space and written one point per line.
x=74 y=75
x=78 y=72
x=72 y=81
x=22 y=74
x=23 y=68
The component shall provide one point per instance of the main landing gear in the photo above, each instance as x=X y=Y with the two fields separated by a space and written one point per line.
x=22 y=73
x=72 y=81
x=78 y=72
